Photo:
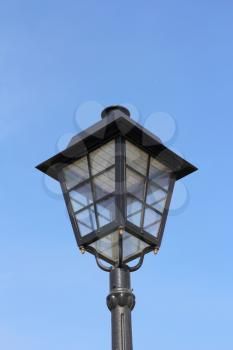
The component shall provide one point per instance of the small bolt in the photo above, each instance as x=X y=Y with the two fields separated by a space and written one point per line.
x=156 y=251
x=82 y=250
x=121 y=230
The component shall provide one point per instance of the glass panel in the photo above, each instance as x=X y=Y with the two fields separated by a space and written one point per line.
x=104 y=183
x=152 y=221
x=134 y=211
x=106 y=211
x=135 y=184
x=86 y=221
x=81 y=196
x=108 y=246
x=153 y=229
x=159 y=174
x=136 y=158
x=156 y=197
x=102 y=158
x=132 y=246
x=162 y=181
x=75 y=173
x=157 y=169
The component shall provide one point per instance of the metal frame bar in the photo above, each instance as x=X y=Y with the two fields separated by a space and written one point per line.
x=120 y=180
x=120 y=190
x=166 y=209
x=145 y=194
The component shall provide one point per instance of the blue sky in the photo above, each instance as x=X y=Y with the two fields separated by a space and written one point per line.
x=60 y=62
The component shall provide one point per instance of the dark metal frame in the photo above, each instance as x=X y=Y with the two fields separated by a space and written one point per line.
x=121 y=200
x=121 y=129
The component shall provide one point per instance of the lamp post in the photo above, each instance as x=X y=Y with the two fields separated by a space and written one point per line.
x=117 y=180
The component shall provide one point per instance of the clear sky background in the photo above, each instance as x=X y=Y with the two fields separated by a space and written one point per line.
x=171 y=61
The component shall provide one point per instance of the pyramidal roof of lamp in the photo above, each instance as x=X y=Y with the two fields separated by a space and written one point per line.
x=115 y=120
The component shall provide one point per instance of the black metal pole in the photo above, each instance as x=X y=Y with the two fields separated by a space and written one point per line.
x=121 y=302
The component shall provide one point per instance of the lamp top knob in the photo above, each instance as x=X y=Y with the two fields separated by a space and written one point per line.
x=115 y=111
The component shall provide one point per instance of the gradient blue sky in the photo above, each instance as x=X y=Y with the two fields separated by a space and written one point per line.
x=164 y=56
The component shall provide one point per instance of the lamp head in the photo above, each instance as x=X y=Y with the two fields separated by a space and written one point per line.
x=117 y=179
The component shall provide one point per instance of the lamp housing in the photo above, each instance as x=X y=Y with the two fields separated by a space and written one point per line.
x=117 y=180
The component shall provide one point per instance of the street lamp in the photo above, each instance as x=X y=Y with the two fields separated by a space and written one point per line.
x=117 y=180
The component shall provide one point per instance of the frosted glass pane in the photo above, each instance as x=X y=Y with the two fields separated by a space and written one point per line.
x=153 y=229
x=76 y=173
x=102 y=158
x=159 y=174
x=162 y=181
x=134 y=211
x=152 y=221
x=86 y=221
x=132 y=246
x=156 y=197
x=104 y=184
x=135 y=184
x=81 y=196
x=108 y=246
x=136 y=158
x=157 y=168
x=106 y=211
x=151 y=217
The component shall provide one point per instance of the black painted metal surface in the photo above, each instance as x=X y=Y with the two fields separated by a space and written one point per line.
x=115 y=111
x=121 y=302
